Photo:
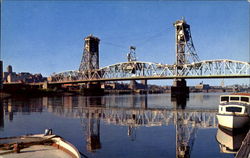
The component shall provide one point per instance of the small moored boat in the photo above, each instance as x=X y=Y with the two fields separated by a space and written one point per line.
x=234 y=110
x=38 y=145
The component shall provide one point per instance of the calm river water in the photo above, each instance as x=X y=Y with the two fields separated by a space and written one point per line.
x=125 y=126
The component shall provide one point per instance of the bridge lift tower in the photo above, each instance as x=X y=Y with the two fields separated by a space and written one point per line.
x=90 y=63
x=90 y=57
x=131 y=56
x=185 y=54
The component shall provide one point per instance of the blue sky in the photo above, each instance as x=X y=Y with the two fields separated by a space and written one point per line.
x=47 y=36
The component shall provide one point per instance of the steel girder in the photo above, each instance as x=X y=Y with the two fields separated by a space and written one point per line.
x=149 y=70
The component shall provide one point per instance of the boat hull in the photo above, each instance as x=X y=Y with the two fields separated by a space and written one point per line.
x=231 y=121
x=38 y=145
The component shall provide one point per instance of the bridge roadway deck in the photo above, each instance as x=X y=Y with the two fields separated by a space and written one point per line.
x=147 y=78
x=139 y=70
x=131 y=78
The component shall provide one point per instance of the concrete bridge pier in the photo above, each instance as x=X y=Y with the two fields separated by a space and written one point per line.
x=180 y=88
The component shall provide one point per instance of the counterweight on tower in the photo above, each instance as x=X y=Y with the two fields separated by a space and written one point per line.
x=90 y=57
x=185 y=51
x=131 y=55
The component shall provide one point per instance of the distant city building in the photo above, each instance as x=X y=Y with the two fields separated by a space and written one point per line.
x=115 y=85
x=9 y=69
x=24 y=77
x=202 y=86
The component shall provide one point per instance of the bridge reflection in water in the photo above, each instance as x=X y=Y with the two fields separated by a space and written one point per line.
x=130 y=111
x=133 y=114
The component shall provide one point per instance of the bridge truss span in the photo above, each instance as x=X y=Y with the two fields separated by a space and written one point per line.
x=133 y=70
x=216 y=68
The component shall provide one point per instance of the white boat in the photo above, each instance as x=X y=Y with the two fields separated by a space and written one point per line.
x=37 y=146
x=234 y=111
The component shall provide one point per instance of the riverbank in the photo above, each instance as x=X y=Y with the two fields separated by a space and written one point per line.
x=34 y=91
x=29 y=92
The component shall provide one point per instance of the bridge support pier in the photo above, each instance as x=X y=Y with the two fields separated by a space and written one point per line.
x=92 y=89
x=179 y=88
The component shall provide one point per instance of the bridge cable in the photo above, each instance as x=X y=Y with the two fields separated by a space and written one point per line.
x=154 y=36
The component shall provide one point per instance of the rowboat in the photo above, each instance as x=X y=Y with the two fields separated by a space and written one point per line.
x=37 y=145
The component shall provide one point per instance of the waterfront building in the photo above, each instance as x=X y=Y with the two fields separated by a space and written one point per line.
x=202 y=86
x=24 y=77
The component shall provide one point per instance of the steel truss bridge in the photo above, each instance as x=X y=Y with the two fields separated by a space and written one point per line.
x=187 y=64
x=136 y=70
